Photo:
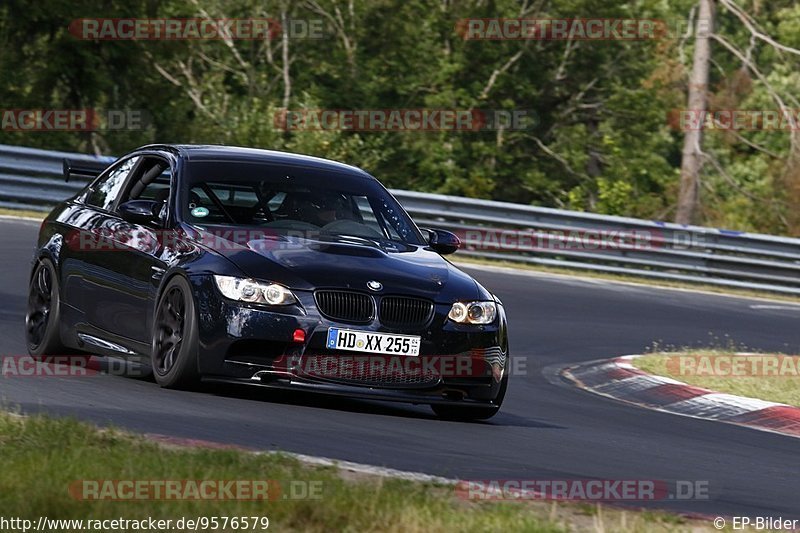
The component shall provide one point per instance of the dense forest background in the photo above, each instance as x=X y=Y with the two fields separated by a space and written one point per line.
x=605 y=140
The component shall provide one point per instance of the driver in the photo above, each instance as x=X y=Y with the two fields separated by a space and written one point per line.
x=327 y=211
x=323 y=208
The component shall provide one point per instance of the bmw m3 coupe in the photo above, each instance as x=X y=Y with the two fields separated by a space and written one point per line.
x=267 y=268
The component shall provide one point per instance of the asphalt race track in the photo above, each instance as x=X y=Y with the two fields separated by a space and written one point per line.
x=546 y=429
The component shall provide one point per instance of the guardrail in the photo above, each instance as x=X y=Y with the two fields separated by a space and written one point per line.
x=32 y=179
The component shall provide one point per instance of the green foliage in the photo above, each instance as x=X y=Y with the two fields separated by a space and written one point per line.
x=602 y=140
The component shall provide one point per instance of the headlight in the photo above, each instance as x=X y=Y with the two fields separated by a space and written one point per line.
x=251 y=291
x=473 y=312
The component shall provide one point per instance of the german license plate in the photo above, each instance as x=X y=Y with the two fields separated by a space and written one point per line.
x=368 y=341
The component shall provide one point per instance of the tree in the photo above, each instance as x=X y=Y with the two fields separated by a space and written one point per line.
x=692 y=160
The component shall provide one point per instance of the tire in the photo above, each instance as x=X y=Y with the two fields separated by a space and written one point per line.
x=472 y=412
x=42 y=319
x=175 y=340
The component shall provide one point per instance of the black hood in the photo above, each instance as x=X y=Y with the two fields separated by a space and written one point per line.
x=307 y=264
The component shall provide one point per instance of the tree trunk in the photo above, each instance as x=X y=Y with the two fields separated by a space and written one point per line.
x=286 y=62
x=698 y=104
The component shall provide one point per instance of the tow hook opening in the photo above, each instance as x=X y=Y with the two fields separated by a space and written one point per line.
x=269 y=375
x=454 y=395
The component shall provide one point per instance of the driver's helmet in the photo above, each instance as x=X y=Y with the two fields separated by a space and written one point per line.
x=322 y=208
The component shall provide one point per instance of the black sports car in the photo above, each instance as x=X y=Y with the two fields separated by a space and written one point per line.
x=266 y=268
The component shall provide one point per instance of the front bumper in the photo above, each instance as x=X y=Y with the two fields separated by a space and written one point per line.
x=253 y=344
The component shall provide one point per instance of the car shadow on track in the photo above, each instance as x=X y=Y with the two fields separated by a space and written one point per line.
x=328 y=401
x=356 y=405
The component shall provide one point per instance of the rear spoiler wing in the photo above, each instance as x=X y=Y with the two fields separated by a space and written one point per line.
x=83 y=169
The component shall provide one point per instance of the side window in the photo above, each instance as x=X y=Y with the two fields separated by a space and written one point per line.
x=105 y=192
x=158 y=190
x=152 y=181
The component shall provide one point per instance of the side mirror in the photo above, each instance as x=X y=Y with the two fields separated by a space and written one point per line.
x=141 y=211
x=443 y=242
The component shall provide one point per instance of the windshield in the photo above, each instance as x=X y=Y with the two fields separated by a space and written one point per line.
x=291 y=200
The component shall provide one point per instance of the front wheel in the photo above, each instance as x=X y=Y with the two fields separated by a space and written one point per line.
x=175 y=341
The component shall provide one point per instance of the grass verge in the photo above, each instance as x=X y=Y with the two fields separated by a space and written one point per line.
x=38 y=215
x=771 y=377
x=42 y=457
